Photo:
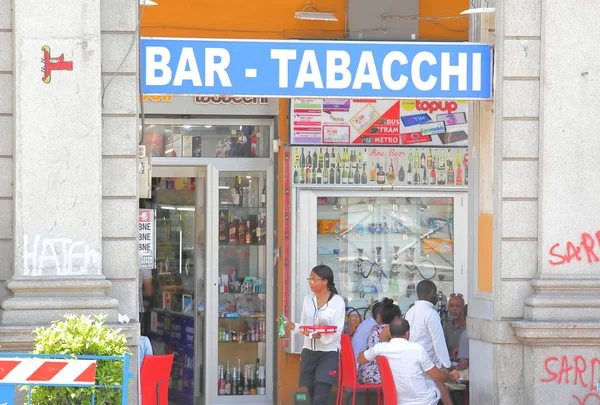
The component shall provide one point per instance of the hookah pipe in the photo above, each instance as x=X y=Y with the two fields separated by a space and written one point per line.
x=394 y=269
x=379 y=272
x=359 y=288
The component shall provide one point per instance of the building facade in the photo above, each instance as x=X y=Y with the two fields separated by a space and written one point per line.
x=69 y=181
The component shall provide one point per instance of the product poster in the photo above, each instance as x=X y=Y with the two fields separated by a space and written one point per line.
x=317 y=121
x=320 y=166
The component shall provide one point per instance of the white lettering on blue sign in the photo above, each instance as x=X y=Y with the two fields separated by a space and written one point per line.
x=317 y=69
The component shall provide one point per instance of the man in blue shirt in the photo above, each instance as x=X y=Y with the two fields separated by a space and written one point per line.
x=359 y=340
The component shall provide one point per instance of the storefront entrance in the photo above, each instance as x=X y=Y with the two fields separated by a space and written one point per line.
x=211 y=302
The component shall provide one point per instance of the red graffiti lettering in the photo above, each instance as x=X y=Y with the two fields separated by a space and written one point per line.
x=580 y=368
x=584 y=401
x=573 y=252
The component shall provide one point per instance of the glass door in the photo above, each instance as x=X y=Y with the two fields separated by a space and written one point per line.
x=174 y=317
x=242 y=285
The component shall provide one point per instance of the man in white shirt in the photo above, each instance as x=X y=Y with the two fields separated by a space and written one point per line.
x=359 y=339
x=409 y=362
x=426 y=330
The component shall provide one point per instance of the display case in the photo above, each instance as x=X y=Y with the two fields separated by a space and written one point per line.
x=242 y=285
x=380 y=243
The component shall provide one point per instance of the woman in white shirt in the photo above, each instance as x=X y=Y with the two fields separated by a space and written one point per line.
x=320 y=352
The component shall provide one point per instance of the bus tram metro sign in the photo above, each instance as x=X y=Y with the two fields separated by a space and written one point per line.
x=328 y=69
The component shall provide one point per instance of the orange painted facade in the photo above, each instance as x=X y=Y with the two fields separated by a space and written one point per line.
x=274 y=19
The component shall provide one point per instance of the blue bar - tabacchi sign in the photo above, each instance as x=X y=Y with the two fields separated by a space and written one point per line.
x=415 y=70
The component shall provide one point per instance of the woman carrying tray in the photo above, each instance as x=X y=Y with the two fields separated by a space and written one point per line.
x=320 y=352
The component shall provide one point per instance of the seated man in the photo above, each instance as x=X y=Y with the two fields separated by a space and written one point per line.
x=359 y=340
x=409 y=362
x=463 y=352
x=455 y=325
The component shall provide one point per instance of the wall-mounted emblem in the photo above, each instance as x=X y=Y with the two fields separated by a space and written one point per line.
x=50 y=64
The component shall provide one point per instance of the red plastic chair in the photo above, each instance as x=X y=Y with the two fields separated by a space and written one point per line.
x=348 y=378
x=154 y=379
x=387 y=381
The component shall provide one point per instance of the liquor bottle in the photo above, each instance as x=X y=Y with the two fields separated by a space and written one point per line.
x=263 y=196
x=380 y=175
x=432 y=177
x=350 y=174
x=357 y=174
x=228 y=380
x=346 y=157
x=252 y=380
x=235 y=197
x=458 y=159
x=338 y=174
x=441 y=176
x=365 y=156
x=429 y=160
x=240 y=383
x=315 y=162
x=325 y=175
x=241 y=231
x=235 y=383
x=222 y=384
x=302 y=175
x=344 y=176
x=360 y=157
x=261 y=381
x=423 y=160
x=233 y=231
x=296 y=175
x=450 y=174
x=372 y=173
x=302 y=163
x=308 y=159
x=326 y=158
x=319 y=179
x=410 y=156
x=442 y=164
x=248 y=239
x=296 y=158
x=459 y=175
x=409 y=174
x=363 y=176
x=222 y=228
x=417 y=177
x=321 y=158
x=308 y=175
x=333 y=157
x=314 y=176
x=390 y=176
x=240 y=192
x=246 y=381
x=466 y=175
x=332 y=176
x=401 y=174
x=436 y=161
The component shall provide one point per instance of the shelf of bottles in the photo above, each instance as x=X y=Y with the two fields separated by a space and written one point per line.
x=381 y=166
x=242 y=329
x=382 y=247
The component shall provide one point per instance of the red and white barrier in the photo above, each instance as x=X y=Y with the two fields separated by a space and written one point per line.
x=53 y=371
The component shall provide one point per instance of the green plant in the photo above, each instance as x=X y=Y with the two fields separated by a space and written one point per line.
x=82 y=335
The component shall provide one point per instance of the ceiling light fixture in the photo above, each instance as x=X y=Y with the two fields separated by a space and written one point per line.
x=148 y=3
x=314 y=15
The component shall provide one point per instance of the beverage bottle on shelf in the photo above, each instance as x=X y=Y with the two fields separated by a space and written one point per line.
x=261 y=381
x=380 y=175
x=350 y=174
x=401 y=174
x=233 y=231
x=228 y=380
x=391 y=175
x=235 y=197
x=450 y=174
x=410 y=156
x=221 y=382
x=429 y=160
x=363 y=176
x=326 y=175
x=302 y=175
x=326 y=158
x=314 y=176
x=334 y=159
x=240 y=384
x=252 y=380
x=235 y=381
x=296 y=180
x=417 y=177
x=308 y=160
x=423 y=159
x=246 y=380
x=315 y=162
x=409 y=174
x=372 y=173
x=432 y=177
x=222 y=228
x=241 y=231
x=344 y=176
x=240 y=192
x=459 y=175
x=302 y=162
x=441 y=176
x=436 y=161
x=296 y=158
x=321 y=158
x=263 y=196
x=357 y=174
x=338 y=174
x=248 y=233
x=308 y=175
x=319 y=176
